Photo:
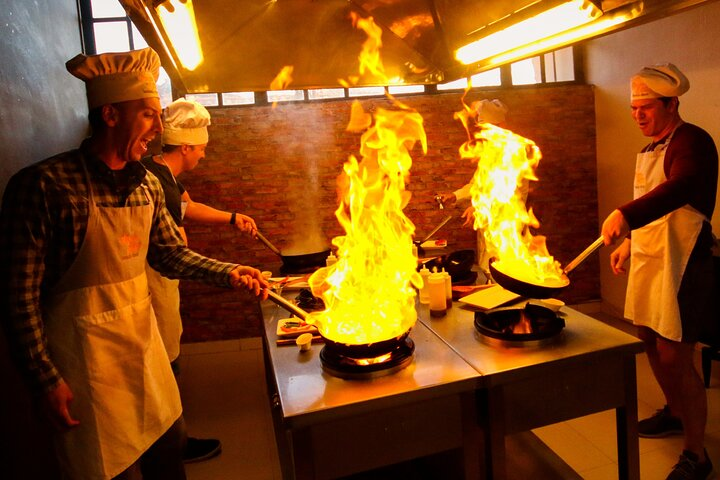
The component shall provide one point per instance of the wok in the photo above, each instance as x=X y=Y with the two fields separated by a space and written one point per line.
x=364 y=350
x=541 y=290
x=296 y=263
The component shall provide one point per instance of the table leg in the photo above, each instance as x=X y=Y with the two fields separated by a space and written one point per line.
x=626 y=419
x=491 y=418
x=472 y=437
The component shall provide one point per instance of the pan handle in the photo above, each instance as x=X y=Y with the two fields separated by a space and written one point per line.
x=267 y=243
x=289 y=306
x=434 y=230
x=579 y=259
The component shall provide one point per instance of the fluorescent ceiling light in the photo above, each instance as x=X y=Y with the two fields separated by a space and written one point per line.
x=178 y=20
x=566 y=38
x=561 y=18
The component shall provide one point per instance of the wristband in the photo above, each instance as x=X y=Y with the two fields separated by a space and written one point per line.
x=232 y=218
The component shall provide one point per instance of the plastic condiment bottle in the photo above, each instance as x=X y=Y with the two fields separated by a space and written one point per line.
x=448 y=288
x=438 y=304
x=330 y=260
x=424 y=292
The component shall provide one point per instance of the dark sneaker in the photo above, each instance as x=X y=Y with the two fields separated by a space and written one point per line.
x=199 y=449
x=660 y=425
x=688 y=468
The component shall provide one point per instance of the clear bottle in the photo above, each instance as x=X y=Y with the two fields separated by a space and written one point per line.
x=424 y=292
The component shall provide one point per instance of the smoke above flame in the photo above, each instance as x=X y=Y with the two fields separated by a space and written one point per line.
x=368 y=293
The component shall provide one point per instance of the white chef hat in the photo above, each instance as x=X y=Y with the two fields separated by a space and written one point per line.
x=663 y=80
x=117 y=77
x=490 y=111
x=185 y=123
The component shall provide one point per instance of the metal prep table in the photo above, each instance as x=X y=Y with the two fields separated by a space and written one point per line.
x=589 y=368
x=327 y=427
x=459 y=394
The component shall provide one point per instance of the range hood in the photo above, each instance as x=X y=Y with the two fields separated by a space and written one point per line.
x=244 y=44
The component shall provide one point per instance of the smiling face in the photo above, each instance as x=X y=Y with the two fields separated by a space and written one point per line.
x=655 y=118
x=136 y=124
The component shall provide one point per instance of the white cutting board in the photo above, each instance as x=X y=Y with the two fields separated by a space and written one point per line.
x=488 y=298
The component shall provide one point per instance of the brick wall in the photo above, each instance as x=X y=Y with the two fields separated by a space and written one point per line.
x=279 y=165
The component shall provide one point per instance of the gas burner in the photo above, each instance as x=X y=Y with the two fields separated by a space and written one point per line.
x=367 y=361
x=530 y=326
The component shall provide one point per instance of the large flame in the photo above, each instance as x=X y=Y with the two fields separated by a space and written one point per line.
x=368 y=293
x=506 y=163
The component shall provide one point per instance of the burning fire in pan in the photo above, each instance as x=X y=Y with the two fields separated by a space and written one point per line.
x=368 y=293
x=506 y=164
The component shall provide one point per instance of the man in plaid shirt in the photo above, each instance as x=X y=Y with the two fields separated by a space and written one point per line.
x=76 y=231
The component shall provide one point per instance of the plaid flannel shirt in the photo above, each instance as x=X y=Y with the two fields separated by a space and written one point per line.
x=43 y=221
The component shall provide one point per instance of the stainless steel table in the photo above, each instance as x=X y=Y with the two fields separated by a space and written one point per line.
x=458 y=395
x=327 y=427
x=589 y=368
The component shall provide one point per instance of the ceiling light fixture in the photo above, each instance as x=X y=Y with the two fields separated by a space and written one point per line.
x=178 y=21
x=557 y=26
x=557 y=41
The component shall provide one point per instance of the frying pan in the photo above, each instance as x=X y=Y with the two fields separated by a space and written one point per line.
x=296 y=263
x=535 y=290
x=365 y=350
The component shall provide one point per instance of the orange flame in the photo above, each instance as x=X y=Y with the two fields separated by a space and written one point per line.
x=370 y=54
x=368 y=293
x=524 y=325
x=282 y=80
x=506 y=162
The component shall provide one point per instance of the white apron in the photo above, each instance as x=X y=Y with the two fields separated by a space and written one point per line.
x=165 y=293
x=103 y=337
x=659 y=254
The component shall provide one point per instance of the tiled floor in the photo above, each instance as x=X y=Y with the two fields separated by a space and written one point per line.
x=224 y=396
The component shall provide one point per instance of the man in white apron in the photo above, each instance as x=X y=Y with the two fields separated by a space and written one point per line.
x=184 y=139
x=670 y=284
x=77 y=230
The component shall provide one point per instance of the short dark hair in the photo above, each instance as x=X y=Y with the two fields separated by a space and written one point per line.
x=666 y=100
x=170 y=148
x=95 y=118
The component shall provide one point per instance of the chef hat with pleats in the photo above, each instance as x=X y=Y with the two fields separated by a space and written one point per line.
x=185 y=122
x=663 y=80
x=490 y=111
x=117 y=77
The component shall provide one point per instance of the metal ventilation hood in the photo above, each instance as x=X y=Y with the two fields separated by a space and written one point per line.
x=246 y=43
